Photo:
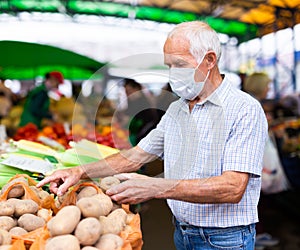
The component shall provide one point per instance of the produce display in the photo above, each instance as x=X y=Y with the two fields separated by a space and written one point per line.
x=109 y=135
x=40 y=155
x=84 y=218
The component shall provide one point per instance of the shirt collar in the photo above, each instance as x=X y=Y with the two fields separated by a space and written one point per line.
x=217 y=97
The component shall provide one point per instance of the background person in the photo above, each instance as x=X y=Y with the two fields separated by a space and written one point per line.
x=164 y=99
x=212 y=142
x=6 y=100
x=140 y=116
x=273 y=177
x=36 y=107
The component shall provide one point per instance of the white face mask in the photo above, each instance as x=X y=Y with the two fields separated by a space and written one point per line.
x=182 y=82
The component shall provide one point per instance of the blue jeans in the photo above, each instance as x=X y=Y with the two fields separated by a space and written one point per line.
x=188 y=237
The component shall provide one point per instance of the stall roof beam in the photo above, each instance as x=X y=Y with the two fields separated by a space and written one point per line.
x=245 y=19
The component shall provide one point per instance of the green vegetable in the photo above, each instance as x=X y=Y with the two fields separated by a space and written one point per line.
x=6 y=173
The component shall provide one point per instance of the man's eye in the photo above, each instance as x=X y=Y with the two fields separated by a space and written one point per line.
x=180 y=65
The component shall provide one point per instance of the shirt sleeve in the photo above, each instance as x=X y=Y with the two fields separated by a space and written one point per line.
x=245 y=145
x=153 y=143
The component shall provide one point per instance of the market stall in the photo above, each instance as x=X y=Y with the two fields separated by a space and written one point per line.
x=30 y=154
x=33 y=218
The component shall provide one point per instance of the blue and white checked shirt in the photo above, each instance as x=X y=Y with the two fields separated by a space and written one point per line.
x=225 y=132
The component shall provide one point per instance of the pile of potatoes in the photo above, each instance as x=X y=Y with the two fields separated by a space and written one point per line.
x=18 y=215
x=94 y=222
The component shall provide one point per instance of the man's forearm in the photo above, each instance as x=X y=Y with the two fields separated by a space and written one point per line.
x=228 y=188
x=122 y=162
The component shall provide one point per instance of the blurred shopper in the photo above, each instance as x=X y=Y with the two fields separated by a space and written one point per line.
x=140 y=117
x=287 y=134
x=36 y=107
x=273 y=176
x=5 y=107
x=6 y=101
x=164 y=99
x=212 y=141
x=292 y=101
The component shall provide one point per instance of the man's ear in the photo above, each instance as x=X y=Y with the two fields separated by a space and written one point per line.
x=211 y=59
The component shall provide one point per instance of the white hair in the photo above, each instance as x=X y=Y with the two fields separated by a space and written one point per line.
x=201 y=37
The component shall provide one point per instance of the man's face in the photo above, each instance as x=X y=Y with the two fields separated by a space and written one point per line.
x=52 y=83
x=177 y=55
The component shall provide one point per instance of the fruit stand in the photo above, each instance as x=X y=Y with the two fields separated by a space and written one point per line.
x=85 y=217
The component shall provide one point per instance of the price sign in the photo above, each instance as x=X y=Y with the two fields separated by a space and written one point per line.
x=29 y=164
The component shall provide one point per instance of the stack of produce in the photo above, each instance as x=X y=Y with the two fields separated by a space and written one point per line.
x=24 y=210
x=112 y=136
x=64 y=108
x=11 y=122
x=29 y=132
x=80 y=153
x=84 y=218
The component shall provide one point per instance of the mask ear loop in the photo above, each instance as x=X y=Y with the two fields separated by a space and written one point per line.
x=208 y=72
x=201 y=61
x=207 y=75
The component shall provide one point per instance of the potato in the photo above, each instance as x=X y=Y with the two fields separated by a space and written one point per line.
x=6 y=208
x=30 y=222
x=63 y=242
x=65 y=221
x=25 y=207
x=17 y=231
x=89 y=207
x=44 y=213
x=60 y=199
x=42 y=194
x=17 y=191
x=95 y=206
x=110 y=242
x=88 y=231
x=5 y=237
x=12 y=201
x=6 y=223
x=86 y=192
x=118 y=214
x=114 y=223
x=108 y=182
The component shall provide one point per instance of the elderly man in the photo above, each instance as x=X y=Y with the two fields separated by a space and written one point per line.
x=212 y=142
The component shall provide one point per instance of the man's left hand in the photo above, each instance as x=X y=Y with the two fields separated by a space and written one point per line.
x=137 y=188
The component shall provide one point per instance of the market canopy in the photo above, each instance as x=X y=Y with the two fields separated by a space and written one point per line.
x=244 y=19
x=22 y=60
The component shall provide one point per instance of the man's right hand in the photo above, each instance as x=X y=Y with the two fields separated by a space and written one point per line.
x=61 y=180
